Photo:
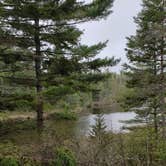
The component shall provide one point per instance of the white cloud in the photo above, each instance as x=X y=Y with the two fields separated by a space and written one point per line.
x=115 y=28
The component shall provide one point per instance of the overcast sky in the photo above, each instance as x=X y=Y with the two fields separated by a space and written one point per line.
x=115 y=28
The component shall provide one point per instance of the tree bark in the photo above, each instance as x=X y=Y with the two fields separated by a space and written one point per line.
x=163 y=109
x=162 y=100
x=38 y=66
x=155 y=104
x=162 y=74
x=155 y=123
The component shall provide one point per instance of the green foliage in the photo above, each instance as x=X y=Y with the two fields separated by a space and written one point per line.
x=12 y=161
x=142 y=147
x=112 y=92
x=55 y=93
x=146 y=71
x=16 y=99
x=66 y=115
x=99 y=128
x=9 y=161
x=64 y=157
x=43 y=34
x=11 y=126
x=98 y=133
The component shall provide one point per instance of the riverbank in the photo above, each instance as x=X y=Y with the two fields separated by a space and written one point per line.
x=41 y=149
x=22 y=140
x=19 y=115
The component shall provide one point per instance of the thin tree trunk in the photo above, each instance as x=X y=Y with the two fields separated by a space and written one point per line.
x=155 y=123
x=163 y=109
x=148 y=160
x=162 y=97
x=155 y=104
x=162 y=74
x=38 y=64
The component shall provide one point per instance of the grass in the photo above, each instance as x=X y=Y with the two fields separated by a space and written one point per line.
x=10 y=126
x=66 y=115
x=11 y=115
x=16 y=121
x=16 y=115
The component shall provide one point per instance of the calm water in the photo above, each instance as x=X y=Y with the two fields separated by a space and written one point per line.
x=113 y=122
x=56 y=132
x=81 y=127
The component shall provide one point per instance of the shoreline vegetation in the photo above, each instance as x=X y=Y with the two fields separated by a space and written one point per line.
x=49 y=79
x=22 y=144
x=45 y=152
x=29 y=115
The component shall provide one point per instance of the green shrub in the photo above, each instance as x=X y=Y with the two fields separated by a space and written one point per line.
x=13 y=126
x=64 y=157
x=9 y=161
x=24 y=105
x=67 y=115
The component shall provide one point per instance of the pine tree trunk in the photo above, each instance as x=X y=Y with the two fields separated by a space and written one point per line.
x=162 y=96
x=38 y=64
x=155 y=123
x=163 y=109
x=155 y=113
x=162 y=53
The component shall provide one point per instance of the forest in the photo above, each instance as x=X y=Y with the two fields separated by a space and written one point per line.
x=61 y=104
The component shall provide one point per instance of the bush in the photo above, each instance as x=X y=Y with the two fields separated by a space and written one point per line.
x=9 y=161
x=23 y=105
x=64 y=157
x=65 y=115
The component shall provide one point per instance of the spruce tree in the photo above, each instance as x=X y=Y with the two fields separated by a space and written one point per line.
x=40 y=44
x=146 y=71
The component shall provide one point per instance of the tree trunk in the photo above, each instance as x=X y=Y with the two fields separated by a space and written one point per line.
x=155 y=123
x=163 y=98
x=155 y=103
x=162 y=55
x=38 y=65
x=163 y=109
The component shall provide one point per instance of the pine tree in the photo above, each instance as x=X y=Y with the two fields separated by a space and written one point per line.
x=146 y=53
x=40 y=44
x=99 y=129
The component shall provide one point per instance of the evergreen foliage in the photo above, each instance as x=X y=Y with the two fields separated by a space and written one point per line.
x=99 y=128
x=41 y=50
x=146 y=53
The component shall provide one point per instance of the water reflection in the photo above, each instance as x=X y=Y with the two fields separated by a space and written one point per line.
x=113 y=122
x=55 y=130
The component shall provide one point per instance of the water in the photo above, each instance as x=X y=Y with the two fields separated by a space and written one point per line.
x=67 y=129
x=57 y=132
x=113 y=121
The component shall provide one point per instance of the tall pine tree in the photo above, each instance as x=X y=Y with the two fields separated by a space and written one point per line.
x=146 y=53
x=40 y=43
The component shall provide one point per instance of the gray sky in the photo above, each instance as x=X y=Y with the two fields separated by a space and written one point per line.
x=115 y=28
